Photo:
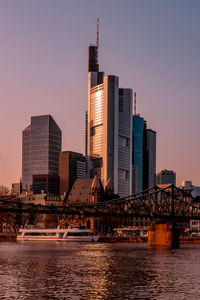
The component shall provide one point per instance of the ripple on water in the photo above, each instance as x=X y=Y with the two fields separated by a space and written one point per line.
x=34 y=271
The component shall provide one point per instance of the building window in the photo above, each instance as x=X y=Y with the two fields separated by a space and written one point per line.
x=123 y=142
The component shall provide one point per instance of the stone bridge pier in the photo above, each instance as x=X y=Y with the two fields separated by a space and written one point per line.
x=164 y=235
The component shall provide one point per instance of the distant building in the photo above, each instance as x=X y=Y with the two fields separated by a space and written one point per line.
x=42 y=198
x=45 y=183
x=18 y=188
x=195 y=193
x=166 y=177
x=42 y=220
x=86 y=134
x=109 y=134
x=188 y=186
x=72 y=166
x=41 y=145
x=137 y=152
x=149 y=159
x=89 y=191
x=81 y=192
x=143 y=155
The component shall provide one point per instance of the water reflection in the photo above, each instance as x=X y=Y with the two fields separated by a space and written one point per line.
x=31 y=270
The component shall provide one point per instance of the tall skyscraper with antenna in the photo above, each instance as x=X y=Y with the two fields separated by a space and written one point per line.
x=109 y=130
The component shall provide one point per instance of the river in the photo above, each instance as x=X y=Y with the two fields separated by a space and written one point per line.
x=64 y=270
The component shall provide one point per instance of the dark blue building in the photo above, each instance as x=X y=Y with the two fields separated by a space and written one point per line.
x=137 y=150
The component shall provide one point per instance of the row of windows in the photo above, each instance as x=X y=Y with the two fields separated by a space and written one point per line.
x=195 y=222
x=96 y=88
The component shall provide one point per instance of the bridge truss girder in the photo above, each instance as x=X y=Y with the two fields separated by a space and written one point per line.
x=170 y=203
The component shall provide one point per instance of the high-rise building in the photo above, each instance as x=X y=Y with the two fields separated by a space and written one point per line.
x=144 y=155
x=139 y=125
x=166 y=177
x=72 y=166
x=149 y=159
x=86 y=133
x=41 y=145
x=109 y=128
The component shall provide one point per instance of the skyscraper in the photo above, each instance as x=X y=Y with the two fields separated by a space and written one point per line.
x=144 y=155
x=139 y=125
x=109 y=127
x=41 y=145
x=149 y=159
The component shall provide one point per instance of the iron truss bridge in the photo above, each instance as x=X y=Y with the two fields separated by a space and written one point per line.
x=170 y=203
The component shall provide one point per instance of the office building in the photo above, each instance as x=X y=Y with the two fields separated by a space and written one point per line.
x=72 y=166
x=41 y=145
x=143 y=155
x=188 y=186
x=48 y=184
x=149 y=159
x=139 y=125
x=109 y=130
x=86 y=133
x=18 y=188
x=166 y=177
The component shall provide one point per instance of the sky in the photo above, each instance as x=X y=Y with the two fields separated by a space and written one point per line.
x=153 y=46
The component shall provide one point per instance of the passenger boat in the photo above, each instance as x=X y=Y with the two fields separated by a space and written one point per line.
x=69 y=234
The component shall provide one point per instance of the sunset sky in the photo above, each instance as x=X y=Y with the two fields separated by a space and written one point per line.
x=153 y=46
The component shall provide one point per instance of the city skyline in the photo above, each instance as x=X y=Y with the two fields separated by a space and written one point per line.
x=46 y=73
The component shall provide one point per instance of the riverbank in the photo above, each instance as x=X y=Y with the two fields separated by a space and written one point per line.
x=7 y=237
x=190 y=240
x=121 y=239
x=110 y=239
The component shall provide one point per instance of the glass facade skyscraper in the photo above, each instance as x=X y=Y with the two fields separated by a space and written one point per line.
x=137 y=151
x=151 y=158
x=109 y=134
x=144 y=155
x=41 y=145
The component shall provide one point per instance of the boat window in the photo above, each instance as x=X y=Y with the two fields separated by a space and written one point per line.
x=77 y=234
x=61 y=234
x=40 y=233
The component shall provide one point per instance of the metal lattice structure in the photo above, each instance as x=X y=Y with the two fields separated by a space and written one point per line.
x=170 y=203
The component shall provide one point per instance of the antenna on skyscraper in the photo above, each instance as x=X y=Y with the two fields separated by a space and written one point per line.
x=135 y=103
x=97 y=42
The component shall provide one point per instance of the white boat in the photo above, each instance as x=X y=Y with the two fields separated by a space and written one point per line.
x=69 y=234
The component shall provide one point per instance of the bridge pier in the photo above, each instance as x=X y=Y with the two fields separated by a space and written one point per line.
x=163 y=236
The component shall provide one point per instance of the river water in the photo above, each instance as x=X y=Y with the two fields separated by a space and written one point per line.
x=59 y=270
